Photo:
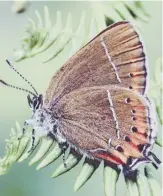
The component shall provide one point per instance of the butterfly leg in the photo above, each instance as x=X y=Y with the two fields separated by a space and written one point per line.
x=155 y=157
x=33 y=140
x=64 y=148
x=23 y=130
x=155 y=160
x=133 y=164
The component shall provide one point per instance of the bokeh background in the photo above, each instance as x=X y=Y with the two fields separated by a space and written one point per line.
x=21 y=179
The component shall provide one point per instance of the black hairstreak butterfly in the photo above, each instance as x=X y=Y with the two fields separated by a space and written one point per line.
x=96 y=102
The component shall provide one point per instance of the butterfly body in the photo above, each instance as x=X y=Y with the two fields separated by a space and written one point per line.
x=96 y=102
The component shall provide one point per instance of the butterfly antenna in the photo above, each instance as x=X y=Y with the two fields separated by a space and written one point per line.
x=16 y=87
x=21 y=76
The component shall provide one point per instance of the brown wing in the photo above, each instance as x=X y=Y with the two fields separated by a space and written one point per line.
x=97 y=120
x=115 y=56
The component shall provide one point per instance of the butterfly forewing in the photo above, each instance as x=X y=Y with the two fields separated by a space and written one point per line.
x=97 y=120
x=115 y=56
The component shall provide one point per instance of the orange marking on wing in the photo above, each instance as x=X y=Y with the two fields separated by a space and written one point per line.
x=109 y=157
x=136 y=141
x=134 y=145
x=140 y=136
x=140 y=108
x=131 y=149
x=142 y=130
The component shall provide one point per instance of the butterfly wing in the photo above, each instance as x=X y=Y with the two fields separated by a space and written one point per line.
x=115 y=56
x=110 y=123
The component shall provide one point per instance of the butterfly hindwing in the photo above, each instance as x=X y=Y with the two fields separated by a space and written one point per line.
x=99 y=120
x=115 y=56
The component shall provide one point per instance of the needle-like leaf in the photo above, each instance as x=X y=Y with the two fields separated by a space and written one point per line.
x=153 y=184
x=86 y=172
x=43 y=149
x=143 y=186
x=110 y=180
x=72 y=160
x=55 y=153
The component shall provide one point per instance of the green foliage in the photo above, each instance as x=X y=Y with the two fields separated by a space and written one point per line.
x=47 y=151
x=114 y=11
x=156 y=88
x=40 y=37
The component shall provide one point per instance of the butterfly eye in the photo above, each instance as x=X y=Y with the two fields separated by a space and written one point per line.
x=34 y=103
x=37 y=102
x=37 y=106
x=130 y=87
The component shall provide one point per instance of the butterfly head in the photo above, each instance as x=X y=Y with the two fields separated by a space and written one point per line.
x=35 y=102
x=41 y=119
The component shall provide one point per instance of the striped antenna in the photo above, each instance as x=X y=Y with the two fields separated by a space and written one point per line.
x=16 y=87
x=21 y=76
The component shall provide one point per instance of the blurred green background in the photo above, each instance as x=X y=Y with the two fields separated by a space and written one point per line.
x=21 y=179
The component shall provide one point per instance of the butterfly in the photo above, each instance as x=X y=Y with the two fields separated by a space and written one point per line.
x=96 y=103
